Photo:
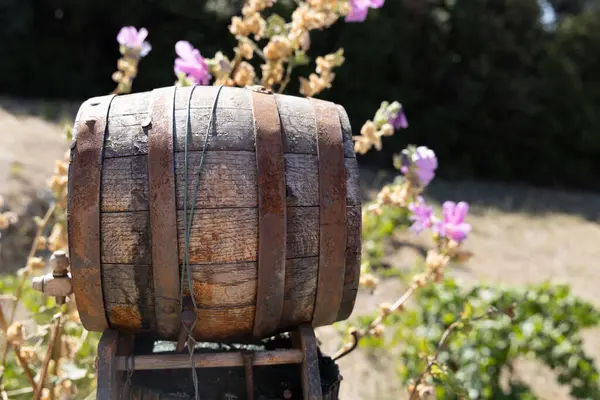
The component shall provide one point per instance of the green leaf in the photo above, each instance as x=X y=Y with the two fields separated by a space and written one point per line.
x=449 y=380
x=45 y=315
x=467 y=312
x=299 y=58
x=275 y=25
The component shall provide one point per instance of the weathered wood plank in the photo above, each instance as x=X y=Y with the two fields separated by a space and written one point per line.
x=129 y=296
x=232 y=128
x=224 y=285
x=125 y=184
x=130 y=299
x=353 y=192
x=354 y=230
x=302 y=180
x=353 y=255
x=299 y=124
x=300 y=291
x=108 y=374
x=346 y=132
x=304 y=339
x=228 y=179
x=125 y=238
x=211 y=360
x=218 y=235
x=351 y=281
x=204 y=96
x=302 y=231
x=225 y=323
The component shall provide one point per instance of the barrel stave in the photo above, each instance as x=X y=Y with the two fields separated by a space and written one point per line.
x=129 y=296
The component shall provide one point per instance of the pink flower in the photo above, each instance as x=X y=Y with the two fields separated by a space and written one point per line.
x=422 y=215
x=132 y=39
x=360 y=8
x=399 y=121
x=422 y=162
x=453 y=225
x=426 y=163
x=191 y=63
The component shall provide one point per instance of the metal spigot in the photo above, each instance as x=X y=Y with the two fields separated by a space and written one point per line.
x=58 y=283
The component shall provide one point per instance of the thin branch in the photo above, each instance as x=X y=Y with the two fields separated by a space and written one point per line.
x=19 y=290
x=257 y=49
x=349 y=347
x=55 y=335
x=81 y=341
x=357 y=335
x=18 y=392
x=431 y=363
x=288 y=77
x=17 y=351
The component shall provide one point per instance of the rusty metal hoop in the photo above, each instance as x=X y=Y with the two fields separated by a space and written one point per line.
x=85 y=177
x=272 y=213
x=163 y=213
x=332 y=213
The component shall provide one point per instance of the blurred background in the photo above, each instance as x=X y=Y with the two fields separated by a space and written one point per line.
x=502 y=89
x=507 y=93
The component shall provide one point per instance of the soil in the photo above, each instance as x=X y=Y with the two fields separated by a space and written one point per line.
x=520 y=235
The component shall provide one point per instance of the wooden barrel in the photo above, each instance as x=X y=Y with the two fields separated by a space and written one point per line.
x=276 y=231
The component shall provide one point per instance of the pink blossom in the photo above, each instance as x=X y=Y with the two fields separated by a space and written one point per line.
x=133 y=39
x=191 y=63
x=422 y=215
x=360 y=8
x=453 y=225
x=425 y=163
x=399 y=121
x=422 y=162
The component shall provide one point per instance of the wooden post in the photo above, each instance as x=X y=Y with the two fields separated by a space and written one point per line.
x=111 y=345
x=304 y=339
x=108 y=375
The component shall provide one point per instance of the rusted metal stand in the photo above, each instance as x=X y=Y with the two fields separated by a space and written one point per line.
x=115 y=360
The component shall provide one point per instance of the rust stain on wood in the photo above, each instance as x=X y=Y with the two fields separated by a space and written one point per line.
x=125 y=317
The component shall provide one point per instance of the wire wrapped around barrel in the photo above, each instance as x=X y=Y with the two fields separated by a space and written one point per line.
x=185 y=268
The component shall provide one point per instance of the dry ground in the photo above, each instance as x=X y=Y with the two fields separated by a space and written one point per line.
x=520 y=235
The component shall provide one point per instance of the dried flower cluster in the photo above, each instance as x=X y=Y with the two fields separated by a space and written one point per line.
x=422 y=391
x=65 y=390
x=324 y=76
x=7 y=218
x=133 y=46
x=251 y=22
x=58 y=183
x=388 y=118
x=287 y=45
